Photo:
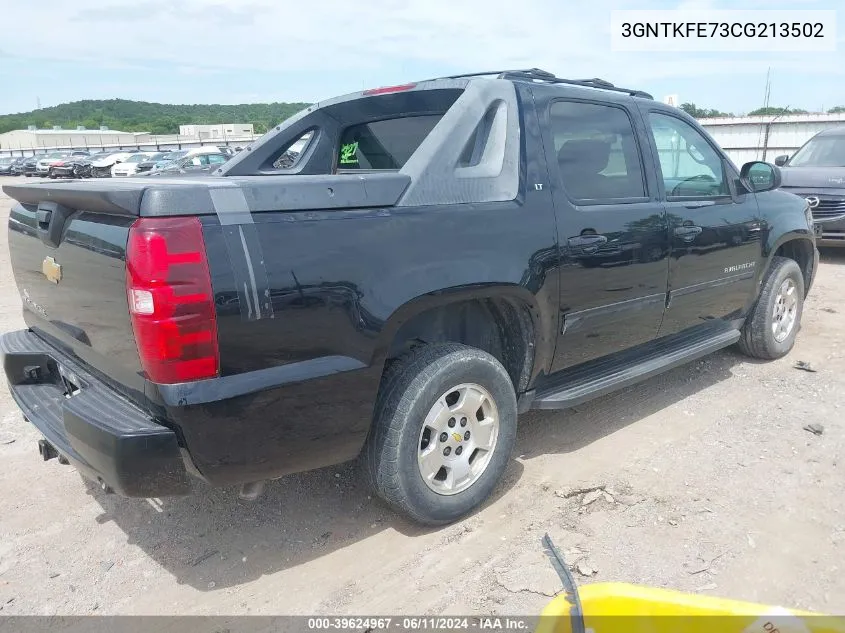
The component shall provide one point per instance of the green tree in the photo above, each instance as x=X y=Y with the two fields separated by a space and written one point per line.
x=702 y=113
x=156 y=118
x=772 y=111
x=837 y=110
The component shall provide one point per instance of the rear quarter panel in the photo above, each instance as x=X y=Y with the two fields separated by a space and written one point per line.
x=340 y=284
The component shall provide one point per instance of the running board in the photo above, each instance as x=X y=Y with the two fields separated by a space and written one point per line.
x=597 y=378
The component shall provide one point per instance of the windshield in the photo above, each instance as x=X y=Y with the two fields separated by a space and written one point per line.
x=822 y=151
x=174 y=155
x=156 y=157
x=5 y=160
x=136 y=158
x=57 y=155
x=100 y=156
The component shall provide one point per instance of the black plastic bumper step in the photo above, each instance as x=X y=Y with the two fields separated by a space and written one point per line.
x=596 y=378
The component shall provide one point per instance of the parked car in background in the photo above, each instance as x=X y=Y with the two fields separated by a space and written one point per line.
x=129 y=166
x=30 y=165
x=46 y=162
x=42 y=168
x=816 y=172
x=170 y=158
x=101 y=166
x=183 y=153
x=81 y=167
x=6 y=165
x=197 y=164
x=72 y=167
x=17 y=165
x=150 y=161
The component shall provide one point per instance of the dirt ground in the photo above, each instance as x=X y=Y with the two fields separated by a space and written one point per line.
x=714 y=487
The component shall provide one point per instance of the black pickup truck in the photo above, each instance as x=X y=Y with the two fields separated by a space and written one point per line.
x=428 y=261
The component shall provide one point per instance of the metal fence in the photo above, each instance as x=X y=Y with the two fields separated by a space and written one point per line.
x=146 y=142
x=764 y=138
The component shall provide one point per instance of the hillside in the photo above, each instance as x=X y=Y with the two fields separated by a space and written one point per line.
x=142 y=116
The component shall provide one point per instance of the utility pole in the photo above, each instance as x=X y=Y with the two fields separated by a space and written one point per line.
x=764 y=132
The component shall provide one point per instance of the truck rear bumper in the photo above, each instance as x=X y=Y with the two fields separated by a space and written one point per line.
x=106 y=437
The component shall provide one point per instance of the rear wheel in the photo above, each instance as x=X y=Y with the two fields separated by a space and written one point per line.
x=771 y=327
x=444 y=428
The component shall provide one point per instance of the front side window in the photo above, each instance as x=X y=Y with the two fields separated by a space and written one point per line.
x=383 y=145
x=596 y=150
x=689 y=165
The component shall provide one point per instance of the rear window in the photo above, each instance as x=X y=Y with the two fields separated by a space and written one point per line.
x=385 y=144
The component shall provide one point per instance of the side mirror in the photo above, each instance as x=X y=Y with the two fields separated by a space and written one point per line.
x=780 y=161
x=758 y=176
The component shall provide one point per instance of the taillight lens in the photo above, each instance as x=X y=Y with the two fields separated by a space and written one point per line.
x=170 y=300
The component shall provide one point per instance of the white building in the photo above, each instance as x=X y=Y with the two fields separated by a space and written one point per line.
x=220 y=131
x=766 y=137
x=57 y=138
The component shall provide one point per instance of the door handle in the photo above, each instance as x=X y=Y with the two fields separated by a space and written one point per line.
x=688 y=233
x=588 y=243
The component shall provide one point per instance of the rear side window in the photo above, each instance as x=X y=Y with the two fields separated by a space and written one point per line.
x=385 y=144
x=289 y=158
x=596 y=151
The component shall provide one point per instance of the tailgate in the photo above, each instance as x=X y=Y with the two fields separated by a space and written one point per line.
x=69 y=266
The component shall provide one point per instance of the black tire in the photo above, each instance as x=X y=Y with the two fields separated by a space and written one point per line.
x=758 y=340
x=410 y=387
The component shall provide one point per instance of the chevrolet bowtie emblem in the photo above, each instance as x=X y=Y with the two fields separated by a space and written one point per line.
x=457 y=437
x=51 y=269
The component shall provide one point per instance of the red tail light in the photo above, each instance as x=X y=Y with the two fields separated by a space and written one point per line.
x=170 y=300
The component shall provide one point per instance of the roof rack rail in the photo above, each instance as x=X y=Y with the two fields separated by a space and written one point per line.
x=538 y=74
x=589 y=83
x=498 y=73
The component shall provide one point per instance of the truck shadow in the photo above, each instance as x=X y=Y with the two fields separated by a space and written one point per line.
x=212 y=541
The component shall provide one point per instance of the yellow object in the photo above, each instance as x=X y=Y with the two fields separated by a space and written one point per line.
x=617 y=608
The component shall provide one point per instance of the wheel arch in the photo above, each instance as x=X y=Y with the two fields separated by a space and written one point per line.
x=800 y=248
x=503 y=320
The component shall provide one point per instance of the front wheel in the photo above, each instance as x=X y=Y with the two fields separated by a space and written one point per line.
x=444 y=429
x=771 y=327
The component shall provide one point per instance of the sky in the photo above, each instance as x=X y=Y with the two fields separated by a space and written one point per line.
x=248 y=51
